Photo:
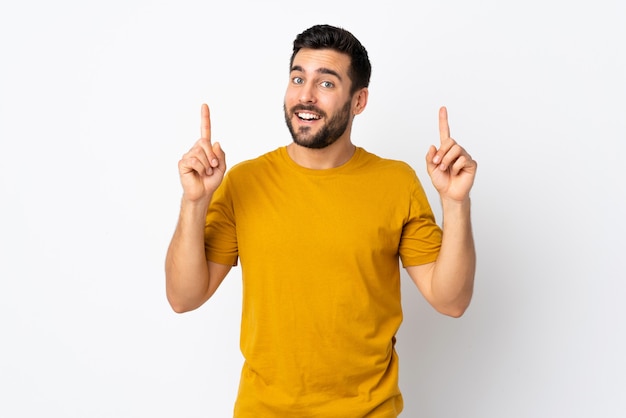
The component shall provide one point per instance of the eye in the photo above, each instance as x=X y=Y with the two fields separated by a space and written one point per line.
x=327 y=84
x=297 y=80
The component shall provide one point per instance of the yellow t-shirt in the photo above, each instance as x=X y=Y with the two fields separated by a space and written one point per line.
x=319 y=253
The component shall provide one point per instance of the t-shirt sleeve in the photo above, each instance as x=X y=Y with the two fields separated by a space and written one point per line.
x=220 y=234
x=421 y=236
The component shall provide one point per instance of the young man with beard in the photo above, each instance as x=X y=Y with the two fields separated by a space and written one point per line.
x=320 y=226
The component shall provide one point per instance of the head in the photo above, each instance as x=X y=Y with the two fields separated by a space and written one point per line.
x=340 y=40
x=329 y=77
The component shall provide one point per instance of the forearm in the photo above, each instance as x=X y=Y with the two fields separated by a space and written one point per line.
x=453 y=275
x=186 y=270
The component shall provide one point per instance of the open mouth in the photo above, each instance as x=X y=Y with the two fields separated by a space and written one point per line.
x=307 y=116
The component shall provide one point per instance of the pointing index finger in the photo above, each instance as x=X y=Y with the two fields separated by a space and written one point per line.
x=205 y=122
x=444 y=128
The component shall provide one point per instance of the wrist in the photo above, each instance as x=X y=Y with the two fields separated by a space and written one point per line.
x=195 y=207
x=454 y=203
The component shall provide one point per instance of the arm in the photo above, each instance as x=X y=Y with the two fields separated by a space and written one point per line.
x=190 y=279
x=447 y=284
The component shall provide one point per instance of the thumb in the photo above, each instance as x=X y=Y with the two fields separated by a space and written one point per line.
x=430 y=165
x=219 y=153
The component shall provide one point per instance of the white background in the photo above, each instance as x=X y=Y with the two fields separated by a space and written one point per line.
x=99 y=99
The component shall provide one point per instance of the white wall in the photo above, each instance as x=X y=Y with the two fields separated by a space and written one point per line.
x=98 y=101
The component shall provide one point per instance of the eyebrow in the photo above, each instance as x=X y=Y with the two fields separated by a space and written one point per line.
x=322 y=70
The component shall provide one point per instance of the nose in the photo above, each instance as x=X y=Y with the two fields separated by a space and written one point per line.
x=307 y=94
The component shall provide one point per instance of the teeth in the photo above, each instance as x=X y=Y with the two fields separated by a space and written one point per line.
x=307 y=116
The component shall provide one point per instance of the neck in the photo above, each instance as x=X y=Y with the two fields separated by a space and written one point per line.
x=331 y=156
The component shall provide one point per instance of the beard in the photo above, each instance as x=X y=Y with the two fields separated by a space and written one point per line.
x=329 y=132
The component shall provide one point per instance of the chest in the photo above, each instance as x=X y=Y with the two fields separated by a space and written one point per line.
x=335 y=218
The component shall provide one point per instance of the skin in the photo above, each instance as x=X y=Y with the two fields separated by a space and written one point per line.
x=319 y=86
x=311 y=89
x=319 y=80
x=448 y=283
x=190 y=279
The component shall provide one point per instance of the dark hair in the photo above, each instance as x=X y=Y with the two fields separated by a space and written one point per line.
x=340 y=40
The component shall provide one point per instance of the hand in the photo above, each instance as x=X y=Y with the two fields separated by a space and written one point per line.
x=450 y=167
x=202 y=168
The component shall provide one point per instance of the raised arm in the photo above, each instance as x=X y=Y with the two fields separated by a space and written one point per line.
x=448 y=283
x=190 y=279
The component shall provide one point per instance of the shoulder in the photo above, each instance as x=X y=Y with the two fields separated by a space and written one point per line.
x=262 y=162
x=386 y=166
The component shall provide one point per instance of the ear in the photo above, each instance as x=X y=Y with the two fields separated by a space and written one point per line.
x=360 y=101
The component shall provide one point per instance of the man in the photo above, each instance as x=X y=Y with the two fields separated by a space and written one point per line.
x=319 y=227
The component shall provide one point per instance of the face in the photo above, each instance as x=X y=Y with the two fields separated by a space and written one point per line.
x=318 y=105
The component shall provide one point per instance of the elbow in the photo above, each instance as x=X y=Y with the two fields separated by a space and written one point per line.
x=454 y=310
x=179 y=308
x=180 y=299
x=181 y=305
x=454 y=305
